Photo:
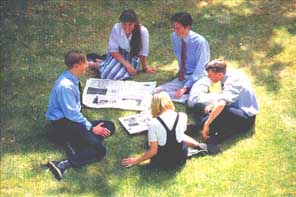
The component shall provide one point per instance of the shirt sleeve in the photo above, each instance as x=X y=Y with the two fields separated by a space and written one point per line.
x=203 y=57
x=70 y=107
x=145 y=41
x=152 y=136
x=173 y=40
x=182 y=126
x=113 y=45
x=231 y=90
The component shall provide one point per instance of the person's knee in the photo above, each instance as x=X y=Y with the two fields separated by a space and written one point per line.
x=191 y=102
x=102 y=151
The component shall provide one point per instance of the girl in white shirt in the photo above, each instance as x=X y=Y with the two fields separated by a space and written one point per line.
x=128 y=46
x=167 y=141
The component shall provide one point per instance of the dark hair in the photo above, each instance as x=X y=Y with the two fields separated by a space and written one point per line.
x=217 y=66
x=182 y=17
x=130 y=16
x=74 y=57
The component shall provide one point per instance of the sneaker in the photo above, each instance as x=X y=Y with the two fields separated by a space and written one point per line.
x=57 y=172
x=196 y=152
x=58 y=168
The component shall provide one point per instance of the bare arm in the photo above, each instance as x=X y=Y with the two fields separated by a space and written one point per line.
x=146 y=68
x=130 y=69
x=219 y=106
x=131 y=161
x=189 y=141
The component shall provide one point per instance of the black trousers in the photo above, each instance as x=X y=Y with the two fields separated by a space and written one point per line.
x=231 y=121
x=88 y=146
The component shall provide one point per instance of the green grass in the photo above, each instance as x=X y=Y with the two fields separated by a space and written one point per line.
x=257 y=37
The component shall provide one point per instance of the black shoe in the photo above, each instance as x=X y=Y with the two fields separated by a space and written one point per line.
x=211 y=149
x=58 y=168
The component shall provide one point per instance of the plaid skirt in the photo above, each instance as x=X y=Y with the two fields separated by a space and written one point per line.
x=110 y=68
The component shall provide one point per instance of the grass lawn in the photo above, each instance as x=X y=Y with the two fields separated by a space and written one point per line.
x=257 y=37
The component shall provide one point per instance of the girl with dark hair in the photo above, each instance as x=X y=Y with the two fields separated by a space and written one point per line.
x=128 y=46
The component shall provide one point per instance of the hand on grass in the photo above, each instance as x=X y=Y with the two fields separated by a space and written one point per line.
x=129 y=162
x=149 y=70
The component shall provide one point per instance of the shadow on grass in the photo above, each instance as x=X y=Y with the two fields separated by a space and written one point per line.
x=37 y=36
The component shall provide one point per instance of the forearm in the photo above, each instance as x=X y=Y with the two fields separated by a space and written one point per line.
x=147 y=155
x=218 y=108
x=143 y=60
x=118 y=57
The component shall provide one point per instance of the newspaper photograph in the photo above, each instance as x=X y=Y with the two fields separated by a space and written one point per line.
x=135 y=124
x=105 y=93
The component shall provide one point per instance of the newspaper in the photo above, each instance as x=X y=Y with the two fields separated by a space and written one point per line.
x=105 y=93
x=135 y=124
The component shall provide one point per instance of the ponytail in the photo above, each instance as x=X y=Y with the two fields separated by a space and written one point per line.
x=136 y=41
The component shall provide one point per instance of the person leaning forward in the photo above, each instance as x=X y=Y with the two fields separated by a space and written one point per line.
x=235 y=108
x=192 y=52
x=82 y=138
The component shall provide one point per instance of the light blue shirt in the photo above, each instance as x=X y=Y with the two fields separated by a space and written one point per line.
x=64 y=100
x=238 y=92
x=197 y=55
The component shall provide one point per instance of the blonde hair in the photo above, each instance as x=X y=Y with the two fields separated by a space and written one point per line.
x=160 y=103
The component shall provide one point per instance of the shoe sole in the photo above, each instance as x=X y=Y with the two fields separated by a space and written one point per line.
x=55 y=170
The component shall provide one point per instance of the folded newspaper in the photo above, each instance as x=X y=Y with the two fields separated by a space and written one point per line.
x=135 y=124
x=105 y=93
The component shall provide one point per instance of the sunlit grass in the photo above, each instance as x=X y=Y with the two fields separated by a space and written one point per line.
x=256 y=37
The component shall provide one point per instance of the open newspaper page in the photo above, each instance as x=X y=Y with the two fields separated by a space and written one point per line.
x=104 y=93
x=135 y=124
x=136 y=95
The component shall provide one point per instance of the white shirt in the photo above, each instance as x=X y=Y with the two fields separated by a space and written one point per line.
x=118 y=40
x=157 y=133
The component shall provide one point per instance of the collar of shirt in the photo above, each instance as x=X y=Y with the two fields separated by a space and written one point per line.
x=72 y=77
x=188 y=37
x=124 y=41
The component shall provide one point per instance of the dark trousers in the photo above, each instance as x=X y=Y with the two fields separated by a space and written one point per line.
x=169 y=158
x=88 y=146
x=229 y=122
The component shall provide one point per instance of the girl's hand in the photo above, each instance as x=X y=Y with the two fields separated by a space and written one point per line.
x=149 y=70
x=129 y=162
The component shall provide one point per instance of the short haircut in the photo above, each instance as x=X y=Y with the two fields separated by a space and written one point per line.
x=74 y=57
x=161 y=102
x=217 y=66
x=182 y=17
